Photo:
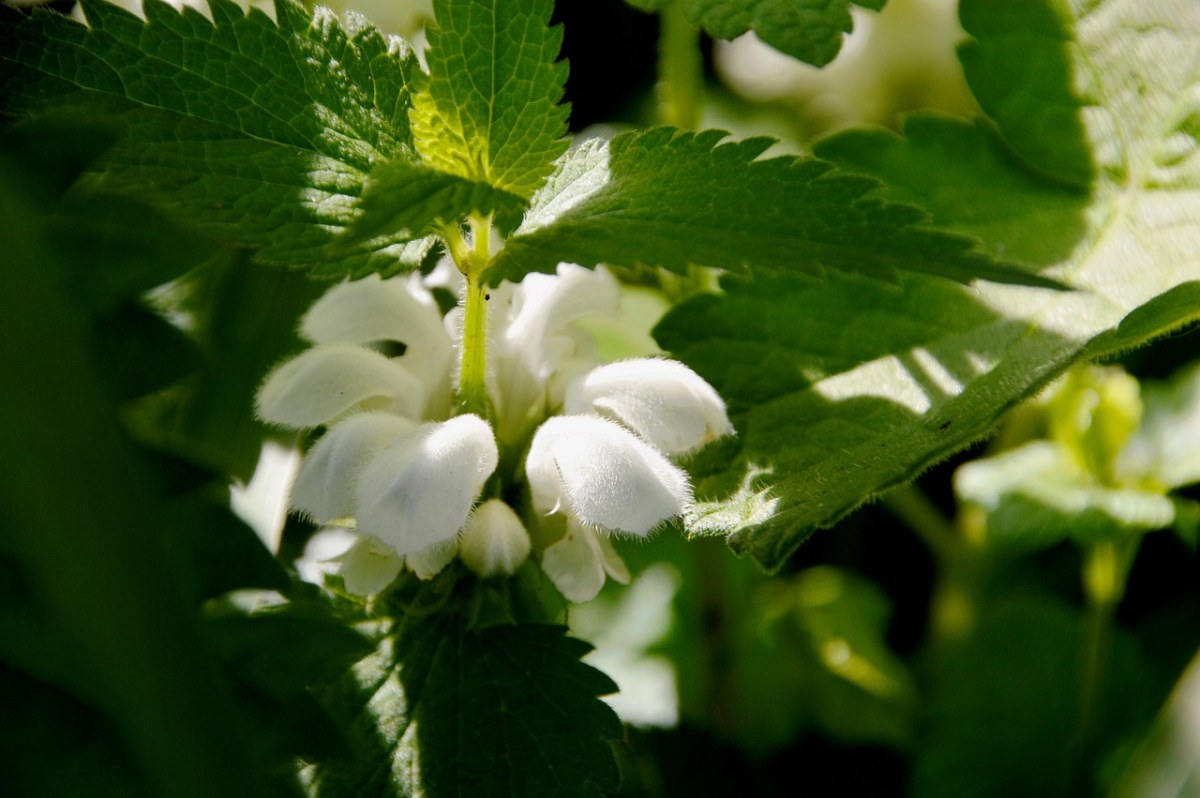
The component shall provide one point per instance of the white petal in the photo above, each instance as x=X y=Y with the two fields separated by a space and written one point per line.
x=494 y=542
x=324 y=488
x=263 y=502
x=544 y=305
x=614 y=566
x=420 y=489
x=371 y=310
x=325 y=382
x=367 y=567
x=603 y=475
x=575 y=564
x=429 y=561
x=322 y=552
x=662 y=400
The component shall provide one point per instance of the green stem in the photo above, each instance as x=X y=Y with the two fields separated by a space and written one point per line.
x=472 y=386
x=680 y=70
x=961 y=568
x=1105 y=568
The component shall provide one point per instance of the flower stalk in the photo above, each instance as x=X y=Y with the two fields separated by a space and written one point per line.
x=472 y=386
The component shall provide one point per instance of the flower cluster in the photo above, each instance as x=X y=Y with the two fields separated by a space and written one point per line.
x=572 y=453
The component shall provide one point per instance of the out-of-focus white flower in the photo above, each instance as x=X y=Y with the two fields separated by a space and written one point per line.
x=419 y=490
x=604 y=476
x=262 y=503
x=494 y=542
x=662 y=400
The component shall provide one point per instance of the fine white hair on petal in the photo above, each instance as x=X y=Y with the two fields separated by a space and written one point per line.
x=662 y=400
x=419 y=490
x=371 y=309
x=494 y=542
x=324 y=488
x=326 y=382
x=603 y=475
x=429 y=561
x=575 y=563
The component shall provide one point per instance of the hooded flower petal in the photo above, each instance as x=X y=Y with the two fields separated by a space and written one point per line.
x=532 y=340
x=325 y=382
x=495 y=542
x=324 y=488
x=662 y=400
x=398 y=310
x=419 y=490
x=603 y=475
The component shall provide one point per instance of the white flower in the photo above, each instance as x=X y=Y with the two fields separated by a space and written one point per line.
x=371 y=310
x=325 y=487
x=419 y=490
x=494 y=542
x=662 y=400
x=579 y=561
x=327 y=382
x=533 y=345
x=604 y=476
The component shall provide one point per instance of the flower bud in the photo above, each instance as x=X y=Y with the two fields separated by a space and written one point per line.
x=494 y=542
x=419 y=490
x=604 y=476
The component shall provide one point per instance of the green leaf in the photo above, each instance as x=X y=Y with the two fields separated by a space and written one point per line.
x=285 y=649
x=490 y=110
x=413 y=199
x=245 y=321
x=666 y=198
x=1037 y=495
x=263 y=131
x=908 y=378
x=810 y=31
x=441 y=710
x=1003 y=708
x=78 y=514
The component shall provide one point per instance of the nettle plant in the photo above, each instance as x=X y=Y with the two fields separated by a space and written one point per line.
x=484 y=415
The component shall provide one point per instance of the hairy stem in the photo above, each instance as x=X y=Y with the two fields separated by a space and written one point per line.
x=680 y=70
x=472 y=386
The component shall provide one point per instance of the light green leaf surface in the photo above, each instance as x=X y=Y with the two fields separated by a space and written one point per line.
x=1036 y=496
x=413 y=199
x=826 y=420
x=810 y=30
x=440 y=710
x=666 y=198
x=264 y=131
x=490 y=110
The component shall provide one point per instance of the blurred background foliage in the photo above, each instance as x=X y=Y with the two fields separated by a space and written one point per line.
x=1024 y=620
